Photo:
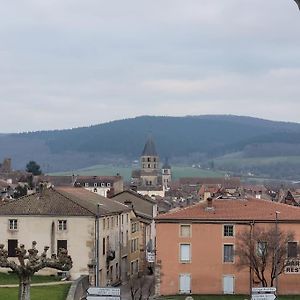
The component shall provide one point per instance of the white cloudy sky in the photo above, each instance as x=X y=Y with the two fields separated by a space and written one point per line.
x=68 y=63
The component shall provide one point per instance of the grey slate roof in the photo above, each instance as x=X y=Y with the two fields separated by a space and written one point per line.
x=149 y=148
x=142 y=206
x=166 y=164
x=67 y=201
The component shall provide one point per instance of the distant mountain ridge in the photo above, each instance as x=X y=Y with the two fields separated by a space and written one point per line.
x=183 y=139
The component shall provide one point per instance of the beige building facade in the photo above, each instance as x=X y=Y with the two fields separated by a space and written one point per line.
x=67 y=218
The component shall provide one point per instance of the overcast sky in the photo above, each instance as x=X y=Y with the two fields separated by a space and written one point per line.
x=74 y=63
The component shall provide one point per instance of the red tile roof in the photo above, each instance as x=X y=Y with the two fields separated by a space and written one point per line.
x=235 y=210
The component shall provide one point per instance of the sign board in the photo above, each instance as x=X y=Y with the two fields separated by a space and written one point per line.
x=102 y=298
x=292 y=266
x=97 y=291
x=151 y=257
x=263 y=297
x=264 y=290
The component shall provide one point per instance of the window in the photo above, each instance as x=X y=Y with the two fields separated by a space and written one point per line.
x=292 y=250
x=228 y=254
x=13 y=224
x=103 y=246
x=122 y=219
x=261 y=248
x=134 y=266
x=62 y=244
x=103 y=224
x=185 y=230
x=107 y=223
x=185 y=253
x=148 y=159
x=62 y=224
x=149 y=166
x=95 y=190
x=86 y=184
x=108 y=184
x=11 y=247
x=127 y=218
x=228 y=230
x=185 y=283
x=102 y=184
x=95 y=184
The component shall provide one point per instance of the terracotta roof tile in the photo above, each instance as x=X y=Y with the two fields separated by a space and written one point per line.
x=235 y=210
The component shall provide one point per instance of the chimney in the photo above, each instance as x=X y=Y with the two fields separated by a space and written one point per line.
x=209 y=204
x=128 y=203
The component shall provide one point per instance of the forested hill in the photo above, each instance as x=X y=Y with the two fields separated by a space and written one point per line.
x=188 y=139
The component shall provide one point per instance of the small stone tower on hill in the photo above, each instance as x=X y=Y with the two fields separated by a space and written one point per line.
x=166 y=174
x=149 y=164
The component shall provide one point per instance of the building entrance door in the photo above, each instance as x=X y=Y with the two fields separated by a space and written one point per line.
x=228 y=284
x=185 y=283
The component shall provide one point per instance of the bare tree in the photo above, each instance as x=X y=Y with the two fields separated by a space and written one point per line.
x=141 y=286
x=31 y=263
x=265 y=251
x=298 y=3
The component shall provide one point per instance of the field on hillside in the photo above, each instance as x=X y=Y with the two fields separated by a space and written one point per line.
x=177 y=172
x=237 y=159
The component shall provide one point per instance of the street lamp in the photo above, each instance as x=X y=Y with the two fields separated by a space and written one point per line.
x=276 y=250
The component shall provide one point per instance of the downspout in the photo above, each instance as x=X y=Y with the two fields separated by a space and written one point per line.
x=97 y=246
x=251 y=224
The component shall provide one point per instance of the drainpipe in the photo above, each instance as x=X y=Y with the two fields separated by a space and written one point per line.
x=251 y=224
x=97 y=246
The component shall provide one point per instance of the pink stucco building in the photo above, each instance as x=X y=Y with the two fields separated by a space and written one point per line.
x=196 y=246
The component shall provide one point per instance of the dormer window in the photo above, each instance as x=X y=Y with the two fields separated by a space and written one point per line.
x=102 y=184
x=86 y=184
x=95 y=184
x=148 y=159
x=108 y=184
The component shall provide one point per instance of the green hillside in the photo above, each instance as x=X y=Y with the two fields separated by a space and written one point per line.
x=205 y=140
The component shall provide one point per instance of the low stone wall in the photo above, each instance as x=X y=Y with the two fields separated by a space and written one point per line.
x=78 y=288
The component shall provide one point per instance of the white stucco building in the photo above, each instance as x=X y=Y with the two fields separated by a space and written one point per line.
x=67 y=218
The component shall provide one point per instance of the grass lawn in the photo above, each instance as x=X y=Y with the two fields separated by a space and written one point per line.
x=54 y=292
x=223 y=297
x=177 y=172
x=12 y=278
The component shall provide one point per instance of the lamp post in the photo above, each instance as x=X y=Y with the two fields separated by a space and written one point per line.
x=276 y=250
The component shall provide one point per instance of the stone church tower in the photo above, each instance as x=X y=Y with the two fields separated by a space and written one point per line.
x=150 y=170
x=166 y=174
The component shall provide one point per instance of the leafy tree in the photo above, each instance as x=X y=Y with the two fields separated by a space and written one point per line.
x=265 y=251
x=33 y=168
